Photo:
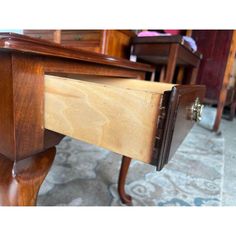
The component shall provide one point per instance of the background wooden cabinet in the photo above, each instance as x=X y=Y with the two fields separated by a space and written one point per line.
x=109 y=42
x=218 y=48
x=215 y=46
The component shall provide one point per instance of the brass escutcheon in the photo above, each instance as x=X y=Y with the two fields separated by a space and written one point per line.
x=196 y=109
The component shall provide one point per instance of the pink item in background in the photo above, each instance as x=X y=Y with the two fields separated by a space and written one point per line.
x=150 y=33
x=147 y=33
x=172 y=32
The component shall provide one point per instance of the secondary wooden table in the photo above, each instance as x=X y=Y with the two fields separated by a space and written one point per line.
x=170 y=51
x=48 y=91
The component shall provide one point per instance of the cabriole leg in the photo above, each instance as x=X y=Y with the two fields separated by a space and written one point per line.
x=20 y=181
x=126 y=199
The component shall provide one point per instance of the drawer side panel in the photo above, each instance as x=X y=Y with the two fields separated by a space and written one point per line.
x=121 y=120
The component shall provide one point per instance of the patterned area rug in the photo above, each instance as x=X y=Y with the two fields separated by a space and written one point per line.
x=85 y=175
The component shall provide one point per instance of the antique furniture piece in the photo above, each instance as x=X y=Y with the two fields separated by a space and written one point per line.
x=48 y=91
x=168 y=52
x=109 y=42
x=218 y=48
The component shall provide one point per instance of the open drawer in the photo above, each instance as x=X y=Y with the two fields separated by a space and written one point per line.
x=143 y=120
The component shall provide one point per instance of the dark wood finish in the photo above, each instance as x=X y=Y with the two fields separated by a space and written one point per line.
x=22 y=89
x=226 y=78
x=171 y=64
x=6 y=112
x=191 y=75
x=41 y=34
x=61 y=66
x=88 y=40
x=22 y=77
x=214 y=45
x=80 y=35
x=170 y=51
x=161 y=39
x=174 y=121
x=25 y=61
x=215 y=70
x=109 y=42
x=28 y=87
x=178 y=121
x=117 y=42
x=26 y=44
x=20 y=181
x=126 y=199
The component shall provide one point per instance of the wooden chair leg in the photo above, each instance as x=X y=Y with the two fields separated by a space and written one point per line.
x=126 y=199
x=191 y=75
x=20 y=181
x=232 y=111
x=171 y=65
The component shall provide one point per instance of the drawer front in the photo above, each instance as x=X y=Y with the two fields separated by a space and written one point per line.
x=40 y=34
x=178 y=120
x=91 y=47
x=119 y=119
x=81 y=35
x=83 y=39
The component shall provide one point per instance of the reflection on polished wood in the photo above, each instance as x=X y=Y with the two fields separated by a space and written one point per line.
x=20 y=181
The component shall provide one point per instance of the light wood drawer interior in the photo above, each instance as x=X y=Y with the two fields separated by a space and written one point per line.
x=115 y=113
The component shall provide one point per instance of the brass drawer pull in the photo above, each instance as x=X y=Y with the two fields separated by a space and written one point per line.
x=78 y=37
x=197 y=108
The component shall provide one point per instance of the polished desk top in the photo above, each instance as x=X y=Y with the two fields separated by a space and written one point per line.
x=165 y=40
x=156 y=50
x=22 y=43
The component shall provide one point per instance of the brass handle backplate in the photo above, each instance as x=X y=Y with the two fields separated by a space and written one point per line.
x=196 y=110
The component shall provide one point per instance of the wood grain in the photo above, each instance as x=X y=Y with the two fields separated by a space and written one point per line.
x=116 y=43
x=20 y=181
x=6 y=111
x=121 y=120
x=21 y=106
x=130 y=83
x=59 y=66
x=28 y=108
x=22 y=43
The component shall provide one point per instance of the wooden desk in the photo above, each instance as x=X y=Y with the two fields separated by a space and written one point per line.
x=48 y=91
x=169 y=51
